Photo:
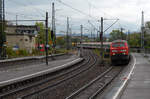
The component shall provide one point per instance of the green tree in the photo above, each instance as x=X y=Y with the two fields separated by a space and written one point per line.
x=41 y=33
x=134 y=39
x=60 y=41
x=147 y=24
x=117 y=34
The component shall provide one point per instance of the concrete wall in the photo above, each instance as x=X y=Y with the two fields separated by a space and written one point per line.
x=21 y=36
x=22 y=41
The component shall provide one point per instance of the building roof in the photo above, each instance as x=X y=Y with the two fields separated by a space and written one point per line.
x=30 y=30
x=17 y=34
x=31 y=26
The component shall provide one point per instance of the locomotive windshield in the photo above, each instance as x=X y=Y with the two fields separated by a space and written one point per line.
x=118 y=45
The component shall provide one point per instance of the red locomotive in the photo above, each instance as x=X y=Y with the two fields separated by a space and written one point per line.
x=119 y=51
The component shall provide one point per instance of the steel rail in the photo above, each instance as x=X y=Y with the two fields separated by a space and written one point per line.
x=74 y=75
x=35 y=84
x=104 y=86
x=42 y=82
x=87 y=85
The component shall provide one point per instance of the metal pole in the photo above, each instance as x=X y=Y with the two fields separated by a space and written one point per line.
x=101 y=38
x=101 y=34
x=81 y=49
x=46 y=47
x=97 y=36
x=53 y=25
x=122 y=33
x=70 y=38
x=142 y=31
x=128 y=36
x=4 y=35
x=91 y=36
x=16 y=20
x=67 y=34
x=1 y=27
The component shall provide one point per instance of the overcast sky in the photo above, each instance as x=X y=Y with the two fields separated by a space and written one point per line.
x=127 y=11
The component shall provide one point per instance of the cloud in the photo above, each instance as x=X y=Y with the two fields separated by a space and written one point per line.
x=128 y=11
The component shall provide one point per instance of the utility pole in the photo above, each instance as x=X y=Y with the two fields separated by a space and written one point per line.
x=16 y=20
x=142 y=31
x=101 y=38
x=94 y=29
x=53 y=25
x=2 y=28
x=97 y=36
x=128 y=36
x=94 y=34
x=67 y=34
x=122 y=33
x=101 y=33
x=70 y=40
x=98 y=33
x=47 y=46
x=4 y=50
x=91 y=36
x=81 y=49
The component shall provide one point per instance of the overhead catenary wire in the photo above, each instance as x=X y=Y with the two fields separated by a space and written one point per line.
x=65 y=4
x=35 y=9
x=100 y=11
x=19 y=14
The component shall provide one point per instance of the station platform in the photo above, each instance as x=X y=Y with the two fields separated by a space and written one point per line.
x=25 y=72
x=138 y=86
x=133 y=82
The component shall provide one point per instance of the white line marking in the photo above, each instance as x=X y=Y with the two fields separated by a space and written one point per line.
x=125 y=82
x=19 y=78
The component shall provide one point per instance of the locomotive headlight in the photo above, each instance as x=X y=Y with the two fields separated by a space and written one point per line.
x=123 y=50
x=114 y=51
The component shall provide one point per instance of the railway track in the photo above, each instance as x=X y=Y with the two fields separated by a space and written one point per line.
x=97 y=85
x=32 y=87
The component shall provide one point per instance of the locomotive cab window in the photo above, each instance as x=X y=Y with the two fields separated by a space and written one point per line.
x=118 y=45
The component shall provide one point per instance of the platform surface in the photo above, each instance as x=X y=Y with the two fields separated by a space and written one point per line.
x=139 y=85
x=15 y=73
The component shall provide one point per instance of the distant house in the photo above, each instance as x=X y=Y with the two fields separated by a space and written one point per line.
x=147 y=27
x=147 y=30
x=21 y=36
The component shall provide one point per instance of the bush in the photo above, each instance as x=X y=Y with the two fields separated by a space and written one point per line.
x=13 y=54
x=10 y=52
x=22 y=52
x=35 y=51
x=62 y=51
x=97 y=51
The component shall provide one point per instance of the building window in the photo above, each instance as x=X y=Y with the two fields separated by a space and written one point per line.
x=26 y=40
